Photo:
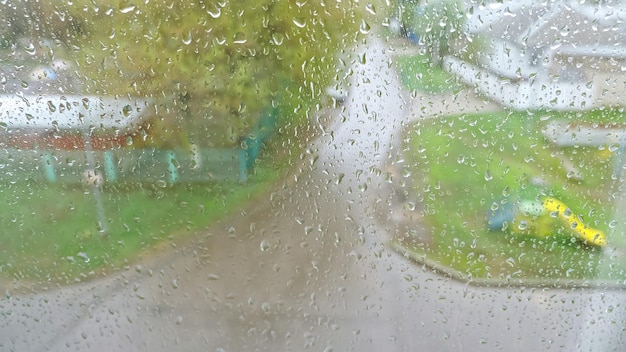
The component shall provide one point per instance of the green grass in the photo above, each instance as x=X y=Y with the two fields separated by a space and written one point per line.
x=50 y=232
x=418 y=73
x=463 y=165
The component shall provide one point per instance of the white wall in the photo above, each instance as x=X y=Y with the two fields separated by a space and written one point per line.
x=508 y=60
x=72 y=112
x=524 y=94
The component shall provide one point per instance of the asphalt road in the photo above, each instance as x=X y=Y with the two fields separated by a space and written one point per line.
x=306 y=267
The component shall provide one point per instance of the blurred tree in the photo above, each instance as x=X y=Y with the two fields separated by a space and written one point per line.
x=212 y=66
x=406 y=10
x=437 y=23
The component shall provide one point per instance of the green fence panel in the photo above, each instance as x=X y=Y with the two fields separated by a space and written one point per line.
x=134 y=165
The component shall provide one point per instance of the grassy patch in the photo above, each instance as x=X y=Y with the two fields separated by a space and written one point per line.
x=418 y=73
x=465 y=166
x=50 y=232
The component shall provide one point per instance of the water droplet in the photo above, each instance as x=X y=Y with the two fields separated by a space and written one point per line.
x=188 y=39
x=300 y=22
x=240 y=38
x=127 y=9
x=265 y=245
x=30 y=49
x=363 y=59
x=51 y=106
x=127 y=110
x=488 y=175
x=523 y=225
x=460 y=159
x=84 y=257
x=278 y=38
x=265 y=307
x=365 y=27
x=215 y=13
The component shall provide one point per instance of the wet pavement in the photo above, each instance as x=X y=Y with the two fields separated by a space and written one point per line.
x=306 y=267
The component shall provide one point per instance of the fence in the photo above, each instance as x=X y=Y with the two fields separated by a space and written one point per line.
x=138 y=165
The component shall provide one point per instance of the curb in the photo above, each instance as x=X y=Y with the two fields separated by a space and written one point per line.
x=448 y=272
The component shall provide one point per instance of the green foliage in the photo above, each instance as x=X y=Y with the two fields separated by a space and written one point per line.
x=51 y=234
x=439 y=24
x=418 y=73
x=212 y=67
x=409 y=10
x=473 y=50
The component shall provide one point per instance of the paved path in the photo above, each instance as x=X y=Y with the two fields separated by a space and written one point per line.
x=306 y=269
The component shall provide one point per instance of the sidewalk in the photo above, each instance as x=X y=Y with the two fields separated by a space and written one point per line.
x=405 y=212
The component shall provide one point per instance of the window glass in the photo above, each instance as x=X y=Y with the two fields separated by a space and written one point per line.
x=312 y=175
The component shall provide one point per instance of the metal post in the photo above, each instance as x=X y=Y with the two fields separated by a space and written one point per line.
x=109 y=166
x=96 y=182
x=48 y=167
x=171 y=166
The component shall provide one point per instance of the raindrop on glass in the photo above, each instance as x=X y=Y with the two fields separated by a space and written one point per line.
x=265 y=245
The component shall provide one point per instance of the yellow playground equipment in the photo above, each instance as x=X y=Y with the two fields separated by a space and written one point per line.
x=537 y=218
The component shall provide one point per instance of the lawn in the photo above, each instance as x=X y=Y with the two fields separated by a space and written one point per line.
x=418 y=73
x=466 y=167
x=51 y=232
